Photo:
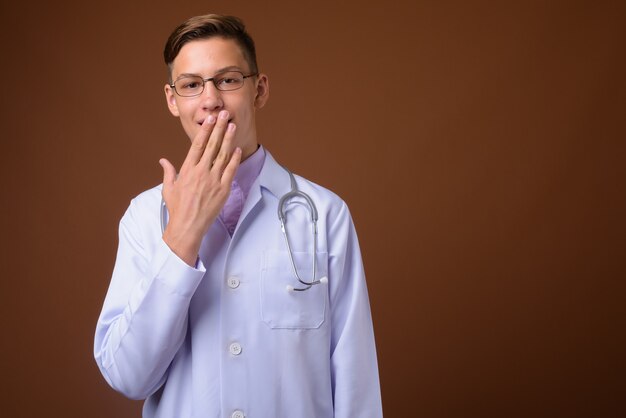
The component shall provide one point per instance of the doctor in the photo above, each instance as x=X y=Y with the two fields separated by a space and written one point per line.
x=206 y=319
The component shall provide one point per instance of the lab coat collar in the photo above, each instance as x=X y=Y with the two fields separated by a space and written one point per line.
x=273 y=178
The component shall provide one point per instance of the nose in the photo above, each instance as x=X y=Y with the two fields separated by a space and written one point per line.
x=211 y=97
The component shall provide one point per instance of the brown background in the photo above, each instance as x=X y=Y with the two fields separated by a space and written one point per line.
x=480 y=146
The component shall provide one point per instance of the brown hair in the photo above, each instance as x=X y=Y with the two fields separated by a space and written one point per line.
x=208 y=26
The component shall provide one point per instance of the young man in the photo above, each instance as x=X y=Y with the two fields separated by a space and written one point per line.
x=205 y=314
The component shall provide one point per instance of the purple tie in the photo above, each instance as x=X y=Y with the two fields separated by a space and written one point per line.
x=232 y=209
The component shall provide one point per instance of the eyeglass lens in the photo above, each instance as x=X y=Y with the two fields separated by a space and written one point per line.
x=194 y=85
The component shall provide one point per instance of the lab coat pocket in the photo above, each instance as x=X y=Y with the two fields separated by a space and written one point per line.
x=283 y=308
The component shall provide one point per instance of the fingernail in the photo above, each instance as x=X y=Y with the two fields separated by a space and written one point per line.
x=210 y=119
x=224 y=114
x=231 y=127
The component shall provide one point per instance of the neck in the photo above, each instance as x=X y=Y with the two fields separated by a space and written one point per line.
x=248 y=149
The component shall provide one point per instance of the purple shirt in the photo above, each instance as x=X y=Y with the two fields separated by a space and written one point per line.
x=247 y=172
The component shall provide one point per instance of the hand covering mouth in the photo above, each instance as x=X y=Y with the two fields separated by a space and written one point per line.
x=201 y=122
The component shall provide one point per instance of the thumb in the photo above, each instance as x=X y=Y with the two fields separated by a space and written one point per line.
x=169 y=172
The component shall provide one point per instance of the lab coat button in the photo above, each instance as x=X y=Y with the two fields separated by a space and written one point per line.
x=237 y=414
x=235 y=349
x=233 y=282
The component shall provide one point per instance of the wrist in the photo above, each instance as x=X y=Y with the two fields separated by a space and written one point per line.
x=185 y=246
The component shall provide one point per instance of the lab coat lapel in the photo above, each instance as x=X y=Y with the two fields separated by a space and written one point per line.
x=272 y=177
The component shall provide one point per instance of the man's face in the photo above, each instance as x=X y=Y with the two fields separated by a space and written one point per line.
x=207 y=58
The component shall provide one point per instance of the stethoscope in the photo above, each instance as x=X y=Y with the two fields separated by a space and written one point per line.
x=282 y=203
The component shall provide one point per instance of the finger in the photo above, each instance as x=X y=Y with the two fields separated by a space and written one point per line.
x=224 y=153
x=231 y=168
x=215 y=140
x=169 y=173
x=199 y=143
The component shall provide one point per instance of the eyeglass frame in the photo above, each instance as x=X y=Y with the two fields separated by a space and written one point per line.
x=212 y=80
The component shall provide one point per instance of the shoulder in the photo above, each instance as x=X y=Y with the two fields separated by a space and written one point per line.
x=328 y=203
x=148 y=199
x=319 y=192
x=331 y=208
x=145 y=208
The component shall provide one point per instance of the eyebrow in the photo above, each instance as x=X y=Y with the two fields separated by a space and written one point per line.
x=220 y=71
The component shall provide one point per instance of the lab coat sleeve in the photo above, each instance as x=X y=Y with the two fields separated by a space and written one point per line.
x=144 y=318
x=354 y=367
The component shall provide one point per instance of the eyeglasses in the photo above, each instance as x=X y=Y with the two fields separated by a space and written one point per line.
x=193 y=85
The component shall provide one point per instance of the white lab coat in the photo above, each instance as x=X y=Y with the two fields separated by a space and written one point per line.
x=227 y=338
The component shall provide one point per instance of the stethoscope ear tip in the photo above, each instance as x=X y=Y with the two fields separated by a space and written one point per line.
x=324 y=280
x=289 y=288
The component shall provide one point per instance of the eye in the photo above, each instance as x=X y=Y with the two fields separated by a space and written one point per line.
x=189 y=83
x=227 y=80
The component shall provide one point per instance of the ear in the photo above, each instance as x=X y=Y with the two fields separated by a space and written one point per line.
x=262 y=91
x=170 y=97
